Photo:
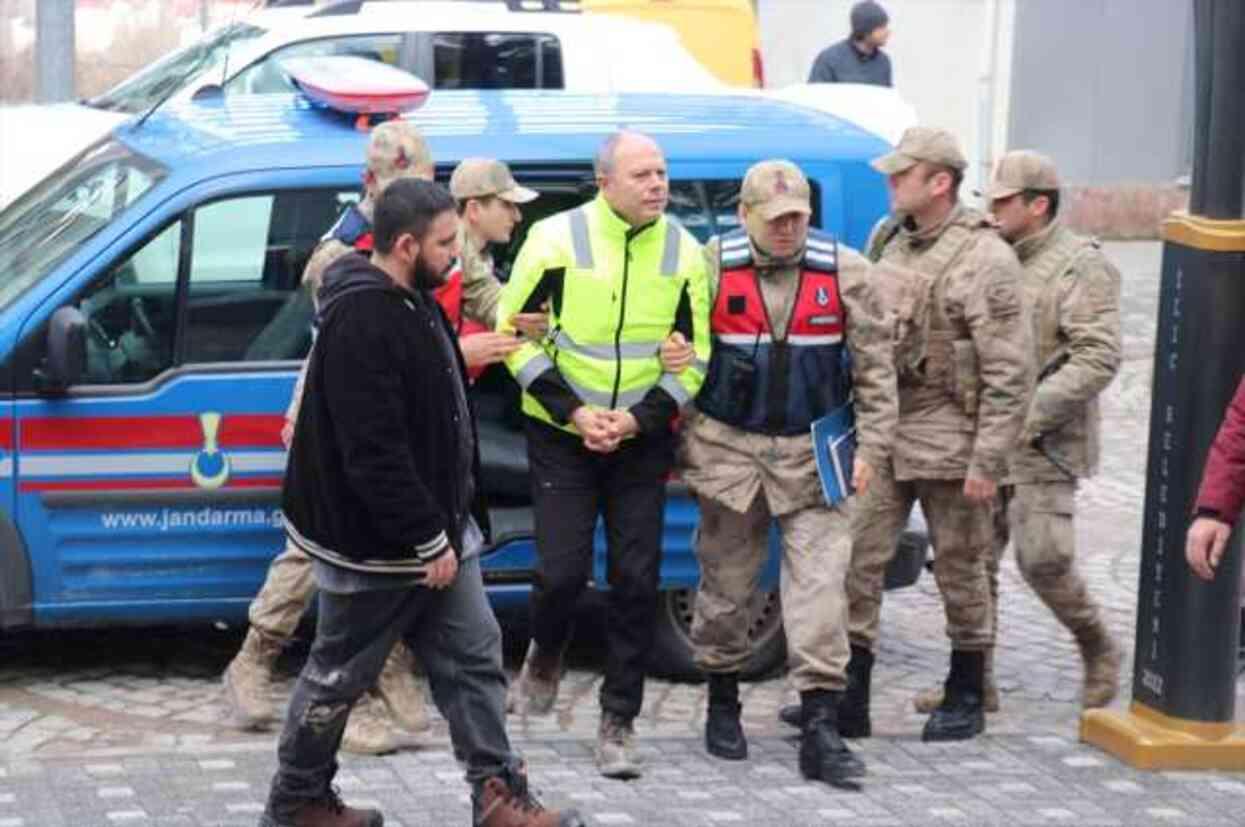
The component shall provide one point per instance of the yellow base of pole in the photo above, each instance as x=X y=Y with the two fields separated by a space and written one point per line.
x=1150 y=740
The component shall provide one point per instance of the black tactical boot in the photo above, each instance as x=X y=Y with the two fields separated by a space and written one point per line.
x=854 y=708
x=823 y=755
x=792 y=715
x=724 y=736
x=961 y=714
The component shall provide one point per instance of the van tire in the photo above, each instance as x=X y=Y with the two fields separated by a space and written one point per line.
x=671 y=655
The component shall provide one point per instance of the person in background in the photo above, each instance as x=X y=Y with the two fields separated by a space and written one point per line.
x=858 y=58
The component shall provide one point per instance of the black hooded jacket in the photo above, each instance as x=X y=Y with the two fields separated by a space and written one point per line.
x=377 y=479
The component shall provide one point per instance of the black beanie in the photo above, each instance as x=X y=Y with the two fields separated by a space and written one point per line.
x=867 y=16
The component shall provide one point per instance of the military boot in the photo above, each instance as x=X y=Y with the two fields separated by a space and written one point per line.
x=401 y=691
x=1101 y=656
x=853 y=709
x=371 y=731
x=506 y=801
x=823 y=755
x=248 y=681
x=927 y=700
x=724 y=735
x=791 y=715
x=960 y=716
x=328 y=811
x=615 y=753
x=536 y=689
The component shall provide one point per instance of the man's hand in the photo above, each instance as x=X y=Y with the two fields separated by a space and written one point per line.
x=623 y=424
x=1204 y=545
x=287 y=433
x=442 y=571
x=862 y=474
x=480 y=349
x=676 y=353
x=980 y=491
x=532 y=325
x=595 y=427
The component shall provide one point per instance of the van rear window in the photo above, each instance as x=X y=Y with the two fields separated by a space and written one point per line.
x=497 y=60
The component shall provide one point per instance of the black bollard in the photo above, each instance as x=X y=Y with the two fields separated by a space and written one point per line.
x=1184 y=673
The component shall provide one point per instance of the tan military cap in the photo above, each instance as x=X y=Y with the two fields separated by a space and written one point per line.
x=1020 y=170
x=922 y=143
x=397 y=150
x=775 y=188
x=482 y=177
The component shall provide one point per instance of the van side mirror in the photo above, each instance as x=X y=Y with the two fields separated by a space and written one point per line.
x=65 y=362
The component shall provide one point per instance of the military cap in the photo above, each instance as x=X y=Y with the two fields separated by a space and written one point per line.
x=482 y=177
x=396 y=150
x=922 y=143
x=775 y=188
x=1020 y=170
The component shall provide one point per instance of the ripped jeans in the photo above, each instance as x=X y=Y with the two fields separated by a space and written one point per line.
x=457 y=639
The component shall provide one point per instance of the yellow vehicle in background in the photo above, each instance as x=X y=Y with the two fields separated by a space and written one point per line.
x=721 y=34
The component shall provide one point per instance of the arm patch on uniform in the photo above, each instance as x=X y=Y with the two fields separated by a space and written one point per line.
x=1002 y=298
x=737 y=305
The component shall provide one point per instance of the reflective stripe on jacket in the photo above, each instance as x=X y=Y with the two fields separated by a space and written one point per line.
x=762 y=383
x=613 y=294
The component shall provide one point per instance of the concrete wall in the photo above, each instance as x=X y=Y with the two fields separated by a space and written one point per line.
x=937 y=49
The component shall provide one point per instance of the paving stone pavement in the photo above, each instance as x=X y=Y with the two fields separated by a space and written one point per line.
x=125 y=727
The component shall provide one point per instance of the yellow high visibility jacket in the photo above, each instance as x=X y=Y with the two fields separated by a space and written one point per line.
x=614 y=293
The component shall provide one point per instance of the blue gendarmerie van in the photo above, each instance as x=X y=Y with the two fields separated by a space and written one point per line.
x=152 y=325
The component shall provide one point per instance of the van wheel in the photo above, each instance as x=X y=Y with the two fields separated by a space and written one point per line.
x=671 y=657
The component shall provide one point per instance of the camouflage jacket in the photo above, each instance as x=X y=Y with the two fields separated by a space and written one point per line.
x=731 y=466
x=1074 y=295
x=963 y=353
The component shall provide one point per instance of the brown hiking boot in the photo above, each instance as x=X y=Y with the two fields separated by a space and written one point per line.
x=401 y=691
x=615 y=753
x=248 y=681
x=507 y=802
x=1102 y=659
x=328 y=811
x=370 y=730
x=536 y=689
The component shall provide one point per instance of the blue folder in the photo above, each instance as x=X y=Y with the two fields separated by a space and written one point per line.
x=834 y=446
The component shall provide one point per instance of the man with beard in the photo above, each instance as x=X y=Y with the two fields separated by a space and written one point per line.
x=381 y=493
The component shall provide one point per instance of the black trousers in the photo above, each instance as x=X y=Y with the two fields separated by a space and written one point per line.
x=571 y=487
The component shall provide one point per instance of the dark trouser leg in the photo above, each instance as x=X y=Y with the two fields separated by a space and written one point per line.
x=566 y=501
x=459 y=643
x=354 y=634
x=635 y=504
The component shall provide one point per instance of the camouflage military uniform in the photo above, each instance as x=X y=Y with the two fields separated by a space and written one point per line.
x=744 y=480
x=953 y=294
x=1074 y=293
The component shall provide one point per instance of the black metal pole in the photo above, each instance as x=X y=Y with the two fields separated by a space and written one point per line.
x=1187 y=630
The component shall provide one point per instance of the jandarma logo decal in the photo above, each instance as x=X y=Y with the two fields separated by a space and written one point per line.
x=210 y=466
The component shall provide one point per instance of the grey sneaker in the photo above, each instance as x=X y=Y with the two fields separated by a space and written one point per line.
x=616 y=756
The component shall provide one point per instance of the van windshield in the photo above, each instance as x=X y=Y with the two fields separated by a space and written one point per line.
x=142 y=90
x=40 y=229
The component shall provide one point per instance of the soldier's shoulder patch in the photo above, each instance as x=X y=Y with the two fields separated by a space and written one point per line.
x=1002 y=297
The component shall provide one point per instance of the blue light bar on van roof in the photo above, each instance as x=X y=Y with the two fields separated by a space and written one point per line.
x=356 y=85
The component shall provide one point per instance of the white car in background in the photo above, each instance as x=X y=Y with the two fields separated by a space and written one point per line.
x=451 y=44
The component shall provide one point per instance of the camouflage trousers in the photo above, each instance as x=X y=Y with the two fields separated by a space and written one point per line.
x=285 y=595
x=961 y=532
x=732 y=548
x=1038 y=519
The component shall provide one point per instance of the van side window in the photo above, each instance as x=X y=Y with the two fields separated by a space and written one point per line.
x=497 y=60
x=131 y=313
x=248 y=255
